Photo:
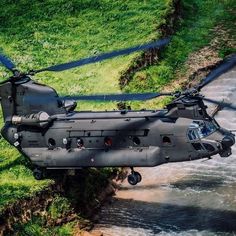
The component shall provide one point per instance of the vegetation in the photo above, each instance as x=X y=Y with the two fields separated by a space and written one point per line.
x=200 y=25
x=37 y=227
x=42 y=33
x=67 y=208
x=45 y=33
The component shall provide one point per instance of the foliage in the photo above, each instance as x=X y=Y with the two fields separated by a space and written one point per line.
x=17 y=181
x=152 y=79
x=83 y=189
x=42 y=33
x=59 y=207
x=80 y=192
x=37 y=227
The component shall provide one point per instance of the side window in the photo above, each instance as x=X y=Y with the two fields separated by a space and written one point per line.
x=167 y=139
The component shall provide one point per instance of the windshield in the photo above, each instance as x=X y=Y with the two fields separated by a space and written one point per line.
x=200 y=129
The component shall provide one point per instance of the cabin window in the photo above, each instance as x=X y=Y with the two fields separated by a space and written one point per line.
x=80 y=142
x=166 y=140
x=136 y=140
x=108 y=141
x=51 y=143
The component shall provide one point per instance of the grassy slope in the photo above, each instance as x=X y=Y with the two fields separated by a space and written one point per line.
x=60 y=31
x=40 y=33
x=195 y=31
x=56 y=36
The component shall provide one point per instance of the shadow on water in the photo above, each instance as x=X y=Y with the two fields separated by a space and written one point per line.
x=198 y=184
x=157 y=217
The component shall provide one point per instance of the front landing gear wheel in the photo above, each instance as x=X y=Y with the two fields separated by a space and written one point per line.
x=38 y=174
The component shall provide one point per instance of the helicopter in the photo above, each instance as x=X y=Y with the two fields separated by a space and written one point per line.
x=45 y=127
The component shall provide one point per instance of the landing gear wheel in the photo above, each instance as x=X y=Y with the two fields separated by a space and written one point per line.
x=38 y=174
x=138 y=176
x=133 y=179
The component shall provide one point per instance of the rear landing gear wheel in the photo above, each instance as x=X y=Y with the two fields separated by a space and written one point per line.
x=134 y=178
x=138 y=176
x=38 y=174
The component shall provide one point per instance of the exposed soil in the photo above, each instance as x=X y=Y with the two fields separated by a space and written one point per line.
x=23 y=210
x=200 y=63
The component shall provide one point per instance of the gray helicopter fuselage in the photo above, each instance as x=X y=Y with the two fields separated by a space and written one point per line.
x=135 y=140
x=42 y=127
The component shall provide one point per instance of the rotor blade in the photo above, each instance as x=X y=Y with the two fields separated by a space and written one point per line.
x=101 y=57
x=7 y=62
x=117 y=97
x=227 y=64
x=222 y=104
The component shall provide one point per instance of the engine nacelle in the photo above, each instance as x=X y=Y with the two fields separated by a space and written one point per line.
x=40 y=119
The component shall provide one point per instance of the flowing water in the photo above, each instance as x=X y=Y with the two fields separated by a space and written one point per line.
x=190 y=198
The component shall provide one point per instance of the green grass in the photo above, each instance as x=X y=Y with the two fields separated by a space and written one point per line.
x=37 y=227
x=37 y=34
x=43 y=33
x=195 y=30
x=79 y=197
x=16 y=179
x=59 y=207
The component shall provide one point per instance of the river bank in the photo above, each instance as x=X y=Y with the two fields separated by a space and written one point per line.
x=63 y=207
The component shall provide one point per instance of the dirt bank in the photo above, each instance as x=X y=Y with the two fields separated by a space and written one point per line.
x=70 y=199
x=150 y=57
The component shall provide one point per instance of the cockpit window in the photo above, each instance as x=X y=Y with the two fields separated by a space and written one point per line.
x=193 y=134
x=199 y=129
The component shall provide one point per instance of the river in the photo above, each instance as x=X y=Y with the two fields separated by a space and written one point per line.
x=188 y=198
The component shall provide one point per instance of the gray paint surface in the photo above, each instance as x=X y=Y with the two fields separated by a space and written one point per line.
x=38 y=124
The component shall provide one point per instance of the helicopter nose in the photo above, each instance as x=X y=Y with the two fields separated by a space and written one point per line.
x=228 y=141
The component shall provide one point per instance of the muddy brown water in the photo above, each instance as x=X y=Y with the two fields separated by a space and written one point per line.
x=189 y=198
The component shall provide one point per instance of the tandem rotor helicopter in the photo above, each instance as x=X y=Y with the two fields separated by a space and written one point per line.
x=46 y=128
